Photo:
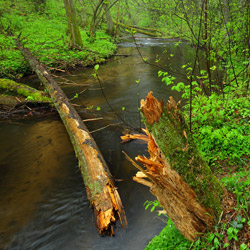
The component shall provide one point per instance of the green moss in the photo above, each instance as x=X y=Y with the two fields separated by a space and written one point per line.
x=23 y=90
x=94 y=187
x=184 y=156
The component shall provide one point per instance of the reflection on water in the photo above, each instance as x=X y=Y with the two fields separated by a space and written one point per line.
x=43 y=204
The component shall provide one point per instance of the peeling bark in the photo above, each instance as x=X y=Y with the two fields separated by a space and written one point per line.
x=101 y=192
x=175 y=171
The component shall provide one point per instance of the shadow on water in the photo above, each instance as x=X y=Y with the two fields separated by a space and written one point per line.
x=42 y=195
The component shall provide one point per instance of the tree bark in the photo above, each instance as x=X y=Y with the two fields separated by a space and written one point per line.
x=110 y=25
x=175 y=172
x=74 y=33
x=96 y=13
x=101 y=192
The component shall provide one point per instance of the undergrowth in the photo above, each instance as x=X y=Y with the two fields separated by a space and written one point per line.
x=45 y=35
x=221 y=128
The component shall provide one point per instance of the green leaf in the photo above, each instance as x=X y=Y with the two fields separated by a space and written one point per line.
x=98 y=108
x=216 y=242
x=29 y=98
x=243 y=246
x=96 y=67
x=90 y=107
x=152 y=209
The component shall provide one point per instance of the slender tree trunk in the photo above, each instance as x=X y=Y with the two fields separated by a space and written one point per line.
x=96 y=13
x=207 y=45
x=101 y=192
x=175 y=172
x=74 y=33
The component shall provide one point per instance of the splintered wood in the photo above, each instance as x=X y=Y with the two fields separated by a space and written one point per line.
x=151 y=108
x=129 y=137
x=175 y=195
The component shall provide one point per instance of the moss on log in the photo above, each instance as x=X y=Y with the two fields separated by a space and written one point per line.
x=177 y=175
x=101 y=192
x=142 y=31
x=23 y=90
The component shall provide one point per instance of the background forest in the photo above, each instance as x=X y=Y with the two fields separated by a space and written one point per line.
x=216 y=96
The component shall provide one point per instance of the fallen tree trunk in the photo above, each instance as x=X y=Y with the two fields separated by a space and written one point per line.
x=147 y=29
x=142 y=31
x=23 y=90
x=175 y=172
x=101 y=192
x=10 y=101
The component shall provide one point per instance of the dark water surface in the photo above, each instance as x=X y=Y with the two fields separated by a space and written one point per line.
x=43 y=204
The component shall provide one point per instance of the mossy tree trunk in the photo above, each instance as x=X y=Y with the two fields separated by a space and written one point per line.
x=23 y=90
x=175 y=172
x=110 y=25
x=101 y=192
x=73 y=29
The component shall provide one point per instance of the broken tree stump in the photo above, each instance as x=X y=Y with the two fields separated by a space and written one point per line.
x=101 y=192
x=175 y=171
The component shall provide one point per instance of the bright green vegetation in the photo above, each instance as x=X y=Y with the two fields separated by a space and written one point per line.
x=169 y=238
x=44 y=32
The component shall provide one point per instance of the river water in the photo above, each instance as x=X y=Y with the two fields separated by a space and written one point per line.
x=43 y=204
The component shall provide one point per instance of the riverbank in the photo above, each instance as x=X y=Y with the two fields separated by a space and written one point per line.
x=48 y=41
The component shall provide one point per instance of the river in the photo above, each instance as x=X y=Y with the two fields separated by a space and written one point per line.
x=43 y=204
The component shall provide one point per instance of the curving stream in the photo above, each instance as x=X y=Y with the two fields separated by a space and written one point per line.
x=43 y=204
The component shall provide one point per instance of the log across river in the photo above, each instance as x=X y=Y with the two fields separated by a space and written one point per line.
x=43 y=199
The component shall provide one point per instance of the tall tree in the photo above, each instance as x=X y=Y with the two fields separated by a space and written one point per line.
x=73 y=29
x=110 y=25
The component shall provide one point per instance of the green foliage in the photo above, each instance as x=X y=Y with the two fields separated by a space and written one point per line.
x=221 y=127
x=154 y=205
x=169 y=238
x=239 y=184
x=45 y=35
x=220 y=122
